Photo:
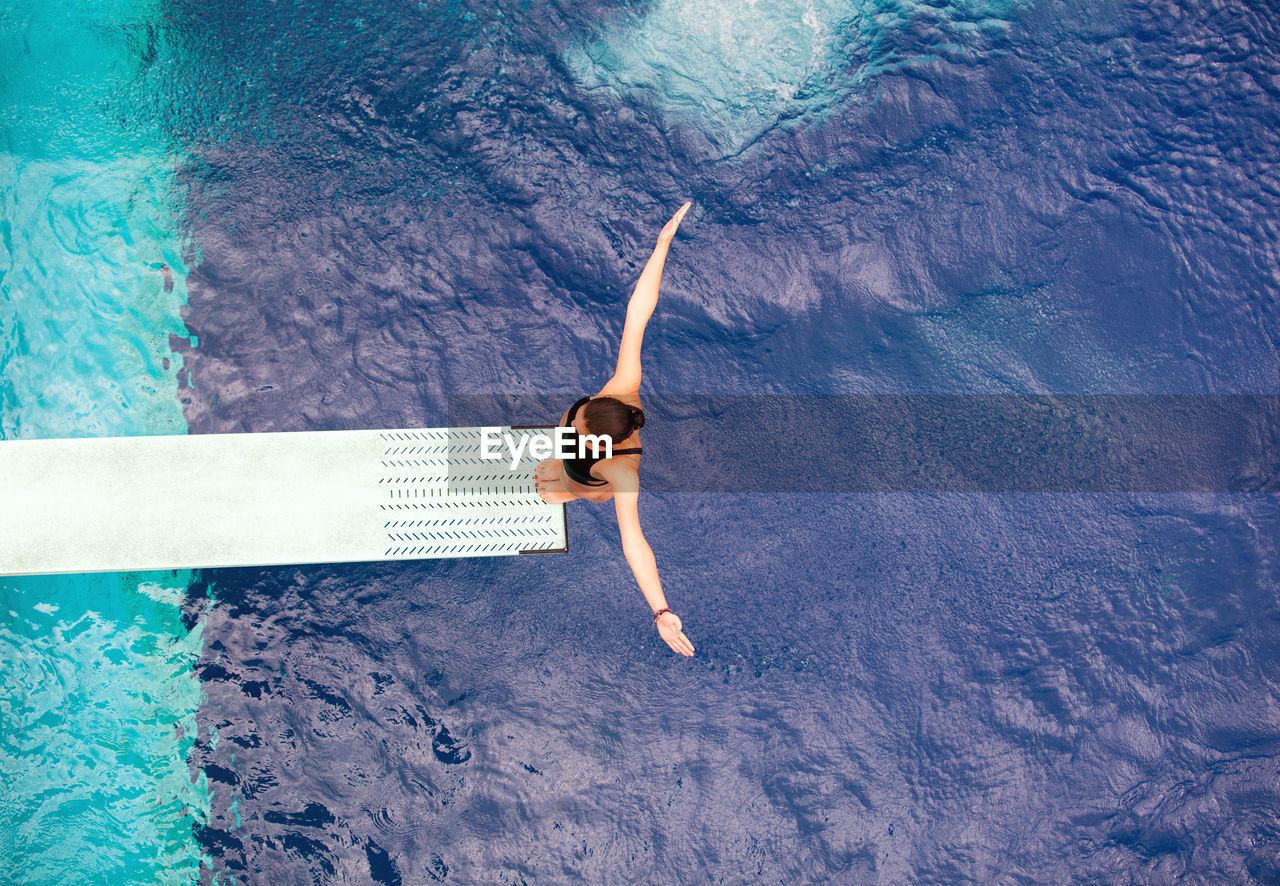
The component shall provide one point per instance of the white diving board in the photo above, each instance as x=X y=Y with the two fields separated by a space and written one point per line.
x=122 y=504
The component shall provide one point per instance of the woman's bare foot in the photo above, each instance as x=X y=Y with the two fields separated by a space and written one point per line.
x=548 y=480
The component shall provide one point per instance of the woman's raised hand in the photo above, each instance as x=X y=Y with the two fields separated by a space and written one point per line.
x=670 y=626
x=669 y=230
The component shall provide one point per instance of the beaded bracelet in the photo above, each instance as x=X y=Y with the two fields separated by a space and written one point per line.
x=659 y=612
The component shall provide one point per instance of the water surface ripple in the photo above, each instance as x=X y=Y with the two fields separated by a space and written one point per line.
x=400 y=204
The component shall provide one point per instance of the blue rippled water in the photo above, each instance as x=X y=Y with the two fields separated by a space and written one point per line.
x=384 y=207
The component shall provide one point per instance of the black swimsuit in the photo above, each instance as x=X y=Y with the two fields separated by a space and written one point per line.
x=579 y=469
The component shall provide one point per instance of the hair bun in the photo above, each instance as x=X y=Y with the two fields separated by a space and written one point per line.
x=637 y=418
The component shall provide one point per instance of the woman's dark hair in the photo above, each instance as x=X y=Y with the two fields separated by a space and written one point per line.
x=613 y=418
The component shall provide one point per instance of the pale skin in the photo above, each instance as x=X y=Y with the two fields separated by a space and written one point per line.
x=621 y=471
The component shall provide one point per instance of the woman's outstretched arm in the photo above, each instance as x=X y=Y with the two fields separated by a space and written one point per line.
x=626 y=378
x=645 y=568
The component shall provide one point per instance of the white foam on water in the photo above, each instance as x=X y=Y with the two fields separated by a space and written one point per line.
x=733 y=69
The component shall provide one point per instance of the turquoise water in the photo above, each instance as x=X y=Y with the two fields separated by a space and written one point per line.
x=100 y=714
x=99 y=693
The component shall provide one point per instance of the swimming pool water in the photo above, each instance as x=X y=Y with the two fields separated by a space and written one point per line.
x=99 y=694
x=368 y=210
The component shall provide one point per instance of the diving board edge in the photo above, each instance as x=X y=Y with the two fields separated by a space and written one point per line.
x=564 y=548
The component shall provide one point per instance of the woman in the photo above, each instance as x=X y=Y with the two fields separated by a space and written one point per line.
x=615 y=412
